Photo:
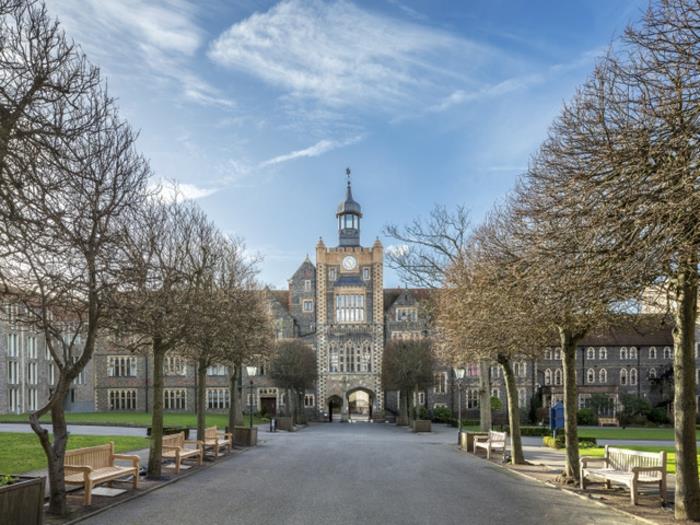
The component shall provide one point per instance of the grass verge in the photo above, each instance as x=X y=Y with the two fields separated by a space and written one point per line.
x=133 y=419
x=21 y=452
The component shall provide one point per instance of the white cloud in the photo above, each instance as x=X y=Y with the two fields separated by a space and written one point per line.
x=321 y=147
x=173 y=191
x=150 y=39
x=496 y=90
x=340 y=55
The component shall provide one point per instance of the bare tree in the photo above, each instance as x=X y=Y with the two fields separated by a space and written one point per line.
x=248 y=339
x=486 y=315
x=428 y=246
x=293 y=367
x=408 y=366
x=62 y=250
x=158 y=292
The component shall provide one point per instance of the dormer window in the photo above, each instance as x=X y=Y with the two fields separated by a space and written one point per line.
x=405 y=314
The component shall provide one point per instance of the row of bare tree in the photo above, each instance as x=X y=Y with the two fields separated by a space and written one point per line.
x=608 y=208
x=87 y=247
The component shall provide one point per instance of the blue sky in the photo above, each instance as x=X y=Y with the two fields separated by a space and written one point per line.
x=256 y=108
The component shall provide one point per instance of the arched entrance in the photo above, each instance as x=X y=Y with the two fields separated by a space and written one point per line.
x=360 y=401
x=335 y=406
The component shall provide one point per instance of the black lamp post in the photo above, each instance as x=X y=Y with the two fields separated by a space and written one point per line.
x=251 y=371
x=459 y=376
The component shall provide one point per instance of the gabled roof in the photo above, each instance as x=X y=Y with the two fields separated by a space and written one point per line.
x=281 y=296
x=642 y=330
x=391 y=295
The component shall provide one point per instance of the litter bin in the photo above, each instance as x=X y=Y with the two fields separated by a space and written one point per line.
x=273 y=424
x=556 y=417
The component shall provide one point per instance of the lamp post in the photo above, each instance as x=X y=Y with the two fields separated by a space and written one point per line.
x=459 y=375
x=251 y=371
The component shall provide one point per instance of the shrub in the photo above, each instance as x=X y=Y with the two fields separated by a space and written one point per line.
x=532 y=431
x=635 y=411
x=586 y=416
x=496 y=404
x=560 y=442
x=659 y=416
x=442 y=415
x=422 y=413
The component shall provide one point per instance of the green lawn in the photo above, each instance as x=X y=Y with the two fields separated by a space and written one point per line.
x=134 y=419
x=629 y=433
x=21 y=451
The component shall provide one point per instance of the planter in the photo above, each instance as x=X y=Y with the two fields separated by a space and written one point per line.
x=285 y=423
x=466 y=439
x=422 y=425
x=245 y=436
x=401 y=421
x=22 y=502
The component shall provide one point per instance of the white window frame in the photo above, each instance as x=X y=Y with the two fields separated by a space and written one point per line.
x=121 y=399
x=218 y=398
x=122 y=366
x=652 y=352
x=602 y=353
x=175 y=399
x=309 y=400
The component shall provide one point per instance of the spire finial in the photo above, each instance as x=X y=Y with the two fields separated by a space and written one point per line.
x=347 y=173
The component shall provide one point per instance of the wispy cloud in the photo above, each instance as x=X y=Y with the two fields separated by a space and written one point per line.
x=173 y=191
x=340 y=55
x=150 y=39
x=321 y=147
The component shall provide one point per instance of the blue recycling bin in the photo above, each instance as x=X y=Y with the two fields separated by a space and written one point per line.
x=556 y=417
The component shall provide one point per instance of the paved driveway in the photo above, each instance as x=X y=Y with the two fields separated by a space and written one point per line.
x=359 y=473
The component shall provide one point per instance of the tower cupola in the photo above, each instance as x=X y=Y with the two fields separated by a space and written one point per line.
x=349 y=214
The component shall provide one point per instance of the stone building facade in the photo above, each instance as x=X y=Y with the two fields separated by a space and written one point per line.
x=339 y=306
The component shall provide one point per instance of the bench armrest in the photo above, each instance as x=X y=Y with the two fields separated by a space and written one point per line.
x=481 y=439
x=585 y=460
x=168 y=447
x=228 y=435
x=135 y=460
x=197 y=442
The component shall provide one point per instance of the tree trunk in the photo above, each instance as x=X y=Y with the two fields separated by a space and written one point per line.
x=201 y=398
x=235 y=415
x=54 y=450
x=687 y=495
x=302 y=408
x=403 y=403
x=156 y=448
x=484 y=396
x=568 y=361
x=516 y=442
x=290 y=404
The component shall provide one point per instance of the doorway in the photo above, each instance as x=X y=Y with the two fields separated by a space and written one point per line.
x=335 y=406
x=360 y=405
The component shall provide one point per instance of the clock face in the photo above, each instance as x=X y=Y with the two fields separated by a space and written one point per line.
x=349 y=263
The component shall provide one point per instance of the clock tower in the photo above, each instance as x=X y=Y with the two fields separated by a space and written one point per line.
x=349 y=320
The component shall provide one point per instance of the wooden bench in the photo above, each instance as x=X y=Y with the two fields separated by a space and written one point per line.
x=608 y=422
x=91 y=466
x=492 y=442
x=627 y=467
x=174 y=448
x=217 y=440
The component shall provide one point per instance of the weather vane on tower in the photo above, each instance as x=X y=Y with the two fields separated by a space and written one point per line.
x=347 y=172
